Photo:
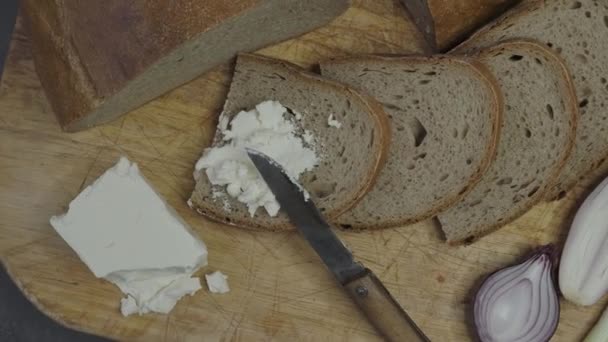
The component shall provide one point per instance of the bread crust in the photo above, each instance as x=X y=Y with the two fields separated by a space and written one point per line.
x=444 y=23
x=456 y=19
x=468 y=45
x=95 y=58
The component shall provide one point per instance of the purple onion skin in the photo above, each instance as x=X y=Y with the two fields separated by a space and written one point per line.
x=503 y=290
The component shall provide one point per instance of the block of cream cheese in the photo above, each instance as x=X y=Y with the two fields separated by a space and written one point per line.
x=126 y=233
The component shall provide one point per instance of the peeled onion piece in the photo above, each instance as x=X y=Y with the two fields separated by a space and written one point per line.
x=599 y=333
x=583 y=271
x=519 y=303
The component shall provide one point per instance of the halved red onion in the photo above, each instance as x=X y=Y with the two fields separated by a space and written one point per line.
x=519 y=303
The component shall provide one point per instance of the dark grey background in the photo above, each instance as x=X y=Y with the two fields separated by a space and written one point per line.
x=19 y=319
x=8 y=9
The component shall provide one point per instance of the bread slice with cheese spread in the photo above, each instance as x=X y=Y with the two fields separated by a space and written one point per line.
x=350 y=153
x=445 y=114
x=537 y=135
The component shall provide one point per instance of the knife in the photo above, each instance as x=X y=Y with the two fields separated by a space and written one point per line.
x=420 y=13
x=366 y=290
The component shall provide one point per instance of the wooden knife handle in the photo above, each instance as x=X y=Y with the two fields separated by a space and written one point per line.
x=382 y=310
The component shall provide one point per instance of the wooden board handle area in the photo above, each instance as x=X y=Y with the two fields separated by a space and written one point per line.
x=382 y=310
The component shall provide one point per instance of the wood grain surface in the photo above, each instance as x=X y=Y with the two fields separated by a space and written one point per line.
x=280 y=289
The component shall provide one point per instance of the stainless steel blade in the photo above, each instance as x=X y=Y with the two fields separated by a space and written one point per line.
x=307 y=219
x=423 y=18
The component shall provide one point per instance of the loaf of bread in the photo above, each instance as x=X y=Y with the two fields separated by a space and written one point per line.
x=446 y=22
x=100 y=59
x=576 y=30
x=351 y=156
x=537 y=135
x=444 y=113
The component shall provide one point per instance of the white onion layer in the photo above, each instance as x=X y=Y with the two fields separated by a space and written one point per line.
x=583 y=271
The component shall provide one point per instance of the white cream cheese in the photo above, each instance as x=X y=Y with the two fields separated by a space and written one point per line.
x=124 y=232
x=332 y=122
x=265 y=129
x=217 y=282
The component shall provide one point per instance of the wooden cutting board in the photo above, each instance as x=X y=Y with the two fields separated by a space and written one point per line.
x=280 y=289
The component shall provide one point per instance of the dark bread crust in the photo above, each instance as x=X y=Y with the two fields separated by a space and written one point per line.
x=100 y=59
x=444 y=23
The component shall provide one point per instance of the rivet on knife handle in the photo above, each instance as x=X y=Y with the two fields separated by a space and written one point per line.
x=382 y=310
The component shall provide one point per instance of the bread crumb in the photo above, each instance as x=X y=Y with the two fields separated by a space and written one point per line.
x=332 y=122
x=217 y=282
x=219 y=195
x=308 y=138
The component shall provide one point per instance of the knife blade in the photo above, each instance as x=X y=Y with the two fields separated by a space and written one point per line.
x=366 y=290
x=305 y=215
x=420 y=13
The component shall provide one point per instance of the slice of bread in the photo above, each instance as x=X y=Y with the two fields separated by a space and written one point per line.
x=577 y=31
x=445 y=118
x=350 y=156
x=537 y=136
